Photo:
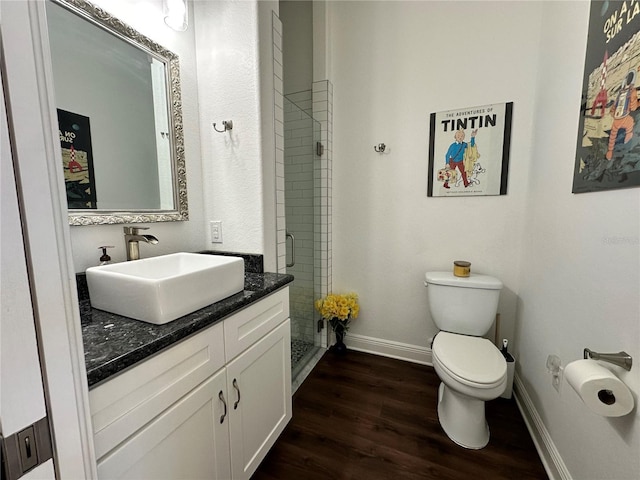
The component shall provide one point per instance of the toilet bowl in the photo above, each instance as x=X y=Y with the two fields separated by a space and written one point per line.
x=472 y=371
x=471 y=368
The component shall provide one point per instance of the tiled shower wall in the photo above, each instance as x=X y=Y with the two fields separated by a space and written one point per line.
x=281 y=224
x=300 y=135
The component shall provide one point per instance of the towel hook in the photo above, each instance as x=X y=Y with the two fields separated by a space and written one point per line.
x=380 y=148
x=227 y=124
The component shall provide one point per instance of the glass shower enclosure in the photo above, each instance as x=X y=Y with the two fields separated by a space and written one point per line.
x=301 y=144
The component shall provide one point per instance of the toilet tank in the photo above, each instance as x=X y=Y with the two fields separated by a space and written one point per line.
x=466 y=305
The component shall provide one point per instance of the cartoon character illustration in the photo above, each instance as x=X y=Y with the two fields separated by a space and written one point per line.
x=447 y=175
x=477 y=170
x=600 y=102
x=74 y=166
x=455 y=155
x=472 y=175
x=626 y=102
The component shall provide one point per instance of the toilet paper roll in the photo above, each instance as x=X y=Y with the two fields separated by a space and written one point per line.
x=599 y=388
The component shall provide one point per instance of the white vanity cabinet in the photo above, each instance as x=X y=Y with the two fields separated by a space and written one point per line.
x=209 y=407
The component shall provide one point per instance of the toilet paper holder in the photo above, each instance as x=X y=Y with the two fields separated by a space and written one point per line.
x=621 y=359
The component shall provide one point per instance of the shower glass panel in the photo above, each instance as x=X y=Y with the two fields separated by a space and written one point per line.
x=301 y=134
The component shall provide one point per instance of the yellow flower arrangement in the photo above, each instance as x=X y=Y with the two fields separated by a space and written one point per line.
x=338 y=310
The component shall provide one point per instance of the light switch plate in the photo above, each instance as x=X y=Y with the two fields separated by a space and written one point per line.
x=216 y=231
x=28 y=449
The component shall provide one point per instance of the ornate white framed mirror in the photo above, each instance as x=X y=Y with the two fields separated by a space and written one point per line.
x=120 y=118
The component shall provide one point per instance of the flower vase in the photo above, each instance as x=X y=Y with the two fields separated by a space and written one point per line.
x=339 y=346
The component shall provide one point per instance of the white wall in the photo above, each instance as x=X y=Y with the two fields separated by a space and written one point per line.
x=238 y=166
x=297 y=23
x=146 y=17
x=393 y=64
x=579 y=282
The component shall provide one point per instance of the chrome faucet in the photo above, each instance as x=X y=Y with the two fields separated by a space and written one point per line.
x=132 y=236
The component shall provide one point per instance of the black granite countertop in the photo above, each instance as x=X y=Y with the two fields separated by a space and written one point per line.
x=113 y=343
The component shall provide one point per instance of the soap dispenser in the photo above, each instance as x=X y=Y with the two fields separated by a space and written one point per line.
x=105 y=259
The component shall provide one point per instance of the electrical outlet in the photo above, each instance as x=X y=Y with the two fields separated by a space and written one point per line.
x=557 y=379
x=216 y=231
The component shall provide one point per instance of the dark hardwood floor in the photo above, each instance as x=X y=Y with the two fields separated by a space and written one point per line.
x=362 y=416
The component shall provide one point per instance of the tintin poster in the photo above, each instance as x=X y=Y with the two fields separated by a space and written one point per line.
x=469 y=151
x=77 y=159
x=608 y=151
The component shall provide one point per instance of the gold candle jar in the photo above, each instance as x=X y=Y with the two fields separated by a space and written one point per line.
x=461 y=268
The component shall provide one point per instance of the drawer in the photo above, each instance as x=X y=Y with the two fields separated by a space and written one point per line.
x=129 y=401
x=246 y=327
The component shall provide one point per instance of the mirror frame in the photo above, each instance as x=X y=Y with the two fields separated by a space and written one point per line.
x=104 y=20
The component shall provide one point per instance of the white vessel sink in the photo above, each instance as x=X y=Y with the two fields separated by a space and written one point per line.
x=161 y=289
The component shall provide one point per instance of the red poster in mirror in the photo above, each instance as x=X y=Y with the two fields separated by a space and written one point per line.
x=77 y=160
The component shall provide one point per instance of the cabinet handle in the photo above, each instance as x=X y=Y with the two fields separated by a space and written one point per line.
x=221 y=397
x=235 y=385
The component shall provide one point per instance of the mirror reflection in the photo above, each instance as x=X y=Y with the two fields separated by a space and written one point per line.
x=119 y=119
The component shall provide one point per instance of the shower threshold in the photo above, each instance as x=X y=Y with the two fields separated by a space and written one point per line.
x=304 y=364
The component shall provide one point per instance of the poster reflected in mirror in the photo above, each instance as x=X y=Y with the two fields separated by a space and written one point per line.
x=77 y=160
x=608 y=150
x=469 y=151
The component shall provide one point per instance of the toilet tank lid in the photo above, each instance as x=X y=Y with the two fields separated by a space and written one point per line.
x=473 y=281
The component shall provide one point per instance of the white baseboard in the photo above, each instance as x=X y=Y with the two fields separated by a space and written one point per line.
x=388 y=348
x=551 y=459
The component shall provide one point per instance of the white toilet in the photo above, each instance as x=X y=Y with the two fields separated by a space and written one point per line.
x=471 y=368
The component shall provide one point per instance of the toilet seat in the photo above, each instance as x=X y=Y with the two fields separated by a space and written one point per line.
x=472 y=361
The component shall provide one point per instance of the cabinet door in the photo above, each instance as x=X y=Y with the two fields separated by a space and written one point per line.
x=259 y=386
x=190 y=440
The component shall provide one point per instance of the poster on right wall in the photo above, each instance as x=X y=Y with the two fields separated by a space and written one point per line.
x=608 y=151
